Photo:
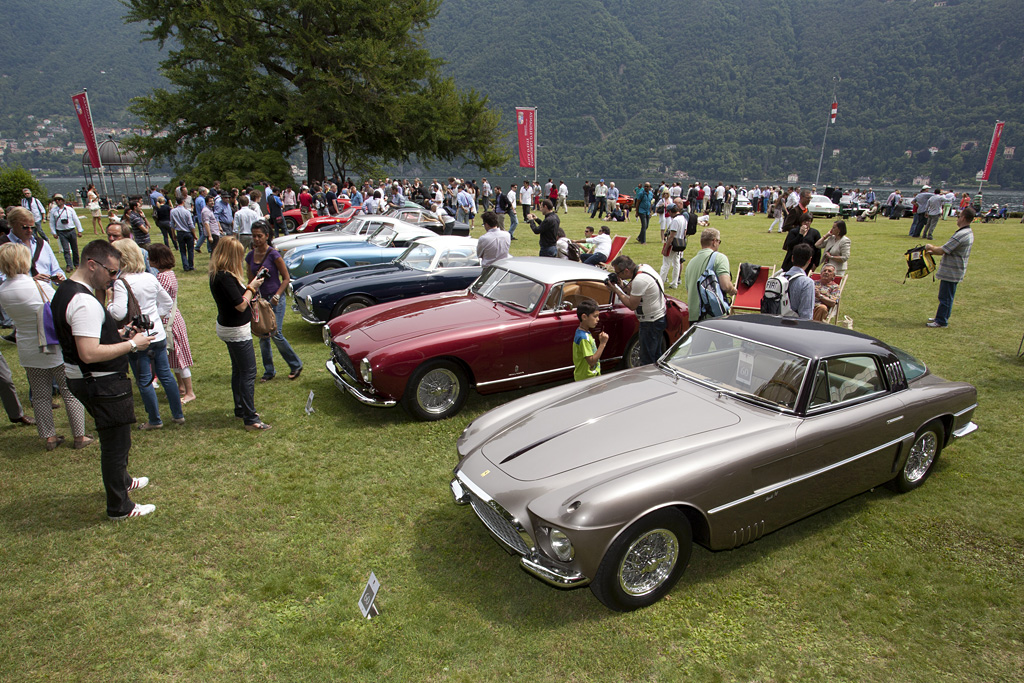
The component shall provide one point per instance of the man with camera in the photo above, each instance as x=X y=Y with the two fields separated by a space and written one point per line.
x=65 y=225
x=644 y=293
x=96 y=363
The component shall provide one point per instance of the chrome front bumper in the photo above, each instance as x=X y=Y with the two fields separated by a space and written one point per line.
x=349 y=384
x=968 y=428
x=533 y=562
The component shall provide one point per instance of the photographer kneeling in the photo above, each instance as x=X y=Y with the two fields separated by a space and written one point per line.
x=97 y=369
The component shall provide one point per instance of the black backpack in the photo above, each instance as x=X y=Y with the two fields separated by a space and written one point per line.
x=691 y=223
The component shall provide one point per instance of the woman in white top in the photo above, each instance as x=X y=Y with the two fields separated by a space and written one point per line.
x=661 y=208
x=22 y=297
x=156 y=303
x=835 y=248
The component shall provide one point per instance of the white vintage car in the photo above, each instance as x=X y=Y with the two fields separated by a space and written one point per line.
x=820 y=205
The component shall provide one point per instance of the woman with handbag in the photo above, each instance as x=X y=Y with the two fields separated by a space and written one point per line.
x=27 y=301
x=138 y=292
x=264 y=255
x=179 y=353
x=234 y=315
x=93 y=205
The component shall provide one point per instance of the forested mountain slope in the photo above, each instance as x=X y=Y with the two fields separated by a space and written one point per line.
x=713 y=88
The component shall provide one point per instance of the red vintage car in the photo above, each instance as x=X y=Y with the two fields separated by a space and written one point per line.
x=294 y=222
x=512 y=328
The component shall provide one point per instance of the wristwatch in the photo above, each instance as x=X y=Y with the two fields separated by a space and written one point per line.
x=135 y=346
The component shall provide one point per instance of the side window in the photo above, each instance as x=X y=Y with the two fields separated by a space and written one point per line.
x=839 y=380
x=554 y=298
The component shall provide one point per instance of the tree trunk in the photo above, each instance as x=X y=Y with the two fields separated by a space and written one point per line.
x=315 y=158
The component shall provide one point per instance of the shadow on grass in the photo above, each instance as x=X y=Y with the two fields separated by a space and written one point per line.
x=38 y=516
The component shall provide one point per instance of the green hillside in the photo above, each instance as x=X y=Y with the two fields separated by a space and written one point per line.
x=713 y=88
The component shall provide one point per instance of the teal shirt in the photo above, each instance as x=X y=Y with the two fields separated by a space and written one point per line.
x=584 y=346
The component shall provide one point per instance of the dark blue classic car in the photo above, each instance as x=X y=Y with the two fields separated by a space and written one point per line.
x=430 y=266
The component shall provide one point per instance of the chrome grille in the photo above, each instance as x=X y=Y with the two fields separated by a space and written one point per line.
x=342 y=359
x=499 y=525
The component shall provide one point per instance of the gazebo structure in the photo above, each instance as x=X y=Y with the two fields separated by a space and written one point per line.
x=121 y=175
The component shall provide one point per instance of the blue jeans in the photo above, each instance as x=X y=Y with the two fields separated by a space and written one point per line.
x=947 y=290
x=202 y=237
x=551 y=251
x=915 y=227
x=186 y=245
x=514 y=222
x=595 y=259
x=645 y=220
x=144 y=365
x=283 y=347
x=243 y=380
x=651 y=335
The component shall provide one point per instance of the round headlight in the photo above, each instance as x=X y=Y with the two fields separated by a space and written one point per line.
x=309 y=303
x=365 y=371
x=561 y=545
x=291 y=289
x=327 y=334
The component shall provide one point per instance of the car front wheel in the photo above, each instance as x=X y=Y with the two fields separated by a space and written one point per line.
x=436 y=391
x=632 y=353
x=644 y=562
x=289 y=224
x=923 y=456
x=352 y=303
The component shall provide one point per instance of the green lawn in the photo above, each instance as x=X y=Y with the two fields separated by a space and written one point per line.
x=251 y=567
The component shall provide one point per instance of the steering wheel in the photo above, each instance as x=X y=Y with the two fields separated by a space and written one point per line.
x=780 y=383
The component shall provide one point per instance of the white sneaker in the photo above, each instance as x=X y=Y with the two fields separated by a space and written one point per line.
x=138 y=511
x=140 y=483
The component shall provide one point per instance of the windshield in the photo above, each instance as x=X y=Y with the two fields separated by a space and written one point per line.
x=912 y=367
x=418 y=256
x=350 y=228
x=511 y=289
x=740 y=366
x=383 y=236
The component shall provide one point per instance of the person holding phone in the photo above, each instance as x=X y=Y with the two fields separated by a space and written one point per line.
x=266 y=260
x=234 y=315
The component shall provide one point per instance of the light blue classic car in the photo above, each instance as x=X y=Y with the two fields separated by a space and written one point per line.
x=385 y=245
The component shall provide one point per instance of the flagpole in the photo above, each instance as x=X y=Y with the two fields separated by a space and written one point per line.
x=835 y=85
x=535 y=127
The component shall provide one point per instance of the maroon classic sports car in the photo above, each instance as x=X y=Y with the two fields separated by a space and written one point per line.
x=512 y=328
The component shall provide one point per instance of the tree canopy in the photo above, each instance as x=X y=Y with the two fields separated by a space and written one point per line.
x=349 y=77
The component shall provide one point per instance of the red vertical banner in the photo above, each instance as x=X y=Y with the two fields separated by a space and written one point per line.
x=526 y=126
x=81 y=101
x=996 y=134
x=833 y=111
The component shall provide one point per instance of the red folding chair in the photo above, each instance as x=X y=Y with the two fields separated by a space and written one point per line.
x=748 y=299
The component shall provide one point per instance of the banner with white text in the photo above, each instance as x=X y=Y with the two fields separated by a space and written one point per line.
x=81 y=101
x=996 y=134
x=526 y=126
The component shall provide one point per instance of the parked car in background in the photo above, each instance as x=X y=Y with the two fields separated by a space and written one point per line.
x=820 y=205
x=358 y=229
x=429 y=266
x=512 y=328
x=385 y=244
x=317 y=223
x=428 y=219
x=743 y=205
x=293 y=217
x=747 y=424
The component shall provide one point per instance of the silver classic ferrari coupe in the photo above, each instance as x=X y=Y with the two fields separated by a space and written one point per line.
x=746 y=424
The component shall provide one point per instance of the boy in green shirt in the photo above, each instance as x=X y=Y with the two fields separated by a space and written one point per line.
x=586 y=354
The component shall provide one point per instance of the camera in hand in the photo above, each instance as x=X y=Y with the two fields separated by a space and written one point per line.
x=613 y=279
x=142 y=323
x=264 y=273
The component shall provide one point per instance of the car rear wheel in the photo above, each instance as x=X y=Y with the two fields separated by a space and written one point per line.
x=289 y=224
x=352 y=303
x=327 y=265
x=632 y=352
x=436 y=391
x=644 y=562
x=923 y=456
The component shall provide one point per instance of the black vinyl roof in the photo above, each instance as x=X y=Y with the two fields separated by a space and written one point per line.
x=804 y=337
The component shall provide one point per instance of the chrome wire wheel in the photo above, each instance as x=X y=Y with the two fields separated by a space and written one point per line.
x=922 y=455
x=438 y=391
x=648 y=562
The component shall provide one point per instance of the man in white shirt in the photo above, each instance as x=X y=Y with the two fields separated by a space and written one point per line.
x=65 y=225
x=494 y=244
x=35 y=207
x=612 y=197
x=707 y=198
x=600 y=193
x=563 y=197
x=244 y=218
x=526 y=198
x=602 y=245
x=513 y=219
x=485 y=195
